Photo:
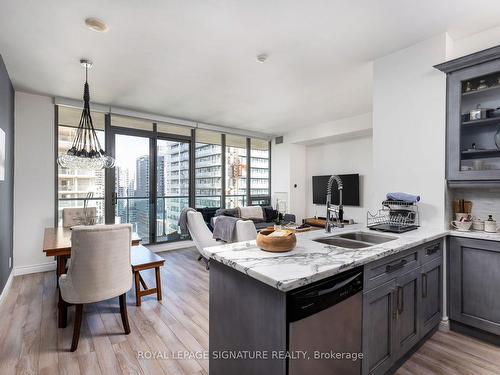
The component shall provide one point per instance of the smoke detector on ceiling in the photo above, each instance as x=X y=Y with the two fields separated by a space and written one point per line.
x=262 y=58
x=96 y=24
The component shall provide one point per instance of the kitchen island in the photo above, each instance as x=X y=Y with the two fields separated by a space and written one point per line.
x=250 y=290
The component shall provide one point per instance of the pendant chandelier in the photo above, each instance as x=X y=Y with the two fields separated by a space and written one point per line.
x=86 y=151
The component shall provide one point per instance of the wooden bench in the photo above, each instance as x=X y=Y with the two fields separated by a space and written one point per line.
x=144 y=259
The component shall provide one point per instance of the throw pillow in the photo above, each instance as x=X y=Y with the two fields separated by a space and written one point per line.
x=270 y=214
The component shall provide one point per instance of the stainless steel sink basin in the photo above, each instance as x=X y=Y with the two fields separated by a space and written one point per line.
x=355 y=240
x=341 y=242
x=372 y=238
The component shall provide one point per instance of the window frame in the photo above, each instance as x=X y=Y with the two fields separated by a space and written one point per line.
x=108 y=143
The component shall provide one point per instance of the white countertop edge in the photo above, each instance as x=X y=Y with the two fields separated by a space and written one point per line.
x=480 y=235
x=274 y=264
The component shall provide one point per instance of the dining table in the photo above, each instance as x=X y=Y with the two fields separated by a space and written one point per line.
x=57 y=243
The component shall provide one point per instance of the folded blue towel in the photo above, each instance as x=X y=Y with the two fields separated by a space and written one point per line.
x=403 y=197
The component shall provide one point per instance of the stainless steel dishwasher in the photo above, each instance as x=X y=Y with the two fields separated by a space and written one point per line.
x=324 y=322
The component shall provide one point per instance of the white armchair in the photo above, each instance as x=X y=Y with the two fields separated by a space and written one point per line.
x=99 y=270
x=245 y=231
x=200 y=234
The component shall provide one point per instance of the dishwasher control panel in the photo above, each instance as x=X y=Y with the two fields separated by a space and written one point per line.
x=323 y=294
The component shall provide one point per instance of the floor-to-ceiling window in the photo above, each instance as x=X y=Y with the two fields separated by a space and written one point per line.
x=74 y=185
x=132 y=183
x=219 y=170
x=236 y=171
x=260 y=171
x=208 y=169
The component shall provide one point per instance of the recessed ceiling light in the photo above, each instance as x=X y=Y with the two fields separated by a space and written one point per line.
x=96 y=24
x=262 y=57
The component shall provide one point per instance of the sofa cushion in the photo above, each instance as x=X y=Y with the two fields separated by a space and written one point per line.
x=270 y=214
x=233 y=212
x=251 y=212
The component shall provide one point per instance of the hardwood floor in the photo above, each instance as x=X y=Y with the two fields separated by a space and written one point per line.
x=454 y=354
x=31 y=343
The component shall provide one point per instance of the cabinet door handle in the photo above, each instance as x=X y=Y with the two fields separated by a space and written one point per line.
x=395 y=266
x=394 y=301
x=424 y=285
x=401 y=296
x=432 y=249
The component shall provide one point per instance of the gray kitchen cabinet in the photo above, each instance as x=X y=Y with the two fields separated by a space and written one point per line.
x=407 y=310
x=473 y=82
x=431 y=295
x=379 y=330
x=401 y=305
x=474 y=278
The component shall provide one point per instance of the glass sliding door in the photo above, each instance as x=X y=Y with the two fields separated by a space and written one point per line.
x=132 y=183
x=172 y=187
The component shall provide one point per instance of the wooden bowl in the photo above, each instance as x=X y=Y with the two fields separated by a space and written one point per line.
x=275 y=244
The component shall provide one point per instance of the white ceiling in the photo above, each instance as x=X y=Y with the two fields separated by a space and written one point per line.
x=196 y=59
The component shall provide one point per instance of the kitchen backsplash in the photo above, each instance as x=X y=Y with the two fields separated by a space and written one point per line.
x=484 y=201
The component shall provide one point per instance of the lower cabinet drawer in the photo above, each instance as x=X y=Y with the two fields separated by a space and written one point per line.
x=431 y=251
x=385 y=269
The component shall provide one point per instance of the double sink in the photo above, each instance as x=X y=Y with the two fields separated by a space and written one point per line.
x=355 y=240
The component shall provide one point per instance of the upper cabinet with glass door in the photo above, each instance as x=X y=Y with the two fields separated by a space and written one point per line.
x=473 y=118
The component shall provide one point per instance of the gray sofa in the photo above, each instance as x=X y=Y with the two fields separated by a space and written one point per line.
x=259 y=224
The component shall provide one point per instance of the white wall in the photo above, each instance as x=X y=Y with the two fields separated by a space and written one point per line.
x=34 y=180
x=295 y=161
x=409 y=126
x=474 y=43
x=342 y=157
x=288 y=176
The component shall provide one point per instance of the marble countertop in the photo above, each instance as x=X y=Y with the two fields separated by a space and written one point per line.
x=480 y=235
x=311 y=261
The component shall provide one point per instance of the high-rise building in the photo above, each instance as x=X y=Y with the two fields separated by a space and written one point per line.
x=75 y=184
x=208 y=175
x=139 y=208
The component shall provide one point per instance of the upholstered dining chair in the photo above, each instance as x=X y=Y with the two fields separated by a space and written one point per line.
x=100 y=269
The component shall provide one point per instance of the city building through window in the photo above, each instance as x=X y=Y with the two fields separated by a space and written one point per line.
x=153 y=180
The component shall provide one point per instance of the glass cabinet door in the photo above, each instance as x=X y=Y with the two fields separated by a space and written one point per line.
x=474 y=123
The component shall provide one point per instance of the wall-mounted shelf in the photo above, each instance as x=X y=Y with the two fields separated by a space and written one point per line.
x=472 y=92
x=480 y=68
x=483 y=122
x=480 y=154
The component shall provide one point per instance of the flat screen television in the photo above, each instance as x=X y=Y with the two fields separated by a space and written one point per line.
x=350 y=194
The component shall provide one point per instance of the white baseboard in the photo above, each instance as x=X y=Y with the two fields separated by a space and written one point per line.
x=444 y=325
x=35 y=268
x=157 y=248
x=6 y=287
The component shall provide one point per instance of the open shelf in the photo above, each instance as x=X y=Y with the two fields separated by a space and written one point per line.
x=480 y=154
x=482 y=122
x=492 y=88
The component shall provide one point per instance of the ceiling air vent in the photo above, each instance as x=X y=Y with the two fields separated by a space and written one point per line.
x=278 y=140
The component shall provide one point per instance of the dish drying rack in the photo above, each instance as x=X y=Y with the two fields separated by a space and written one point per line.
x=395 y=216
